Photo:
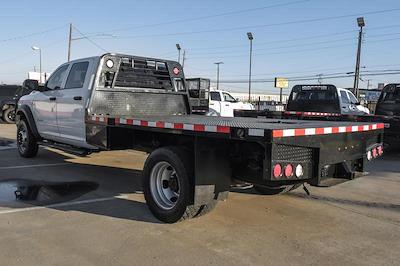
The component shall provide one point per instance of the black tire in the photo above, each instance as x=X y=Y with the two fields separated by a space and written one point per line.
x=26 y=142
x=206 y=208
x=275 y=191
x=182 y=164
x=9 y=115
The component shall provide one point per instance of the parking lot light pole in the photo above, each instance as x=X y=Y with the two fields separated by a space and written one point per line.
x=35 y=48
x=250 y=36
x=178 y=46
x=218 y=63
x=361 y=24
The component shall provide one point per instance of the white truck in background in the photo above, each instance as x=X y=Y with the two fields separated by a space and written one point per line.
x=222 y=103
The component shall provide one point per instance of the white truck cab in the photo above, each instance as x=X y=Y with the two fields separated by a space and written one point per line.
x=223 y=104
x=349 y=103
x=325 y=99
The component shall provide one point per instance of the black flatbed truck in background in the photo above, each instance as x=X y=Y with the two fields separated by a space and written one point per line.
x=194 y=158
x=387 y=112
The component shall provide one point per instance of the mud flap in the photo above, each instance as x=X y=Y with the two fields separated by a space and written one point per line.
x=212 y=170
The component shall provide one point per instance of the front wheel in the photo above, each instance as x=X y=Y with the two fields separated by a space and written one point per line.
x=275 y=191
x=167 y=184
x=26 y=142
x=9 y=115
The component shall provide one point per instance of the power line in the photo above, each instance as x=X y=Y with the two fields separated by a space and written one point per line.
x=32 y=34
x=318 y=76
x=209 y=16
x=90 y=40
x=263 y=25
x=293 y=39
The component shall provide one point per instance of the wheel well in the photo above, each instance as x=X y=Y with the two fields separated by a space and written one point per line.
x=25 y=113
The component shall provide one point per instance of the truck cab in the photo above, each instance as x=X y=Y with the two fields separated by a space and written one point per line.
x=222 y=103
x=389 y=101
x=324 y=99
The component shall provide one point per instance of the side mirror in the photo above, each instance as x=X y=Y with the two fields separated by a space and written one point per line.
x=31 y=84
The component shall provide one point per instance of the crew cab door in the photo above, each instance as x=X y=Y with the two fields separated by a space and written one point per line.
x=71 y=103
x=215 y=102
x=44 y=105
x=228 y=105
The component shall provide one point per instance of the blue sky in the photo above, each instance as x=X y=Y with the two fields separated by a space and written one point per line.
x=152 y=28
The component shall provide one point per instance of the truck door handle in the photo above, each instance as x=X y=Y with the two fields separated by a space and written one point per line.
x=52 y=98
x=77 y=98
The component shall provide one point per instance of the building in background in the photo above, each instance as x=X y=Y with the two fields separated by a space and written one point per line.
x=36 y=76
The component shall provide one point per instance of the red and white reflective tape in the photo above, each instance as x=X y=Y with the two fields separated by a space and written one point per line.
x=311 y=113
x=168 y=125
x=324 y=130
x=99 y=119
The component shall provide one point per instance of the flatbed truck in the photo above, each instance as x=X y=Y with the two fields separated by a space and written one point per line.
x=116 y=102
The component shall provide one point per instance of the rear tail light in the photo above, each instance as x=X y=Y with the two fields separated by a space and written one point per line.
x=374 y=152
x=277 y=171
x=380 y=150
x=299 y=171
x=289 y=170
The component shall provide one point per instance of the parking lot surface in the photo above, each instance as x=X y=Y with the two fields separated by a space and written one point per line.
x=86 y=211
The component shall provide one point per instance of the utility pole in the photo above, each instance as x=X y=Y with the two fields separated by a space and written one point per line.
x=250 y=36
x=69 y=41
x=178 y=46
x=320 y=78
x=361 y=24
x=183 y=58
x=218 y=63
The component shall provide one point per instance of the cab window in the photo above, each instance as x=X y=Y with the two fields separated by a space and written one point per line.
x=56 y=80
x=215 y=96
x=344 y=97
x=77 y=75
x=228 y=97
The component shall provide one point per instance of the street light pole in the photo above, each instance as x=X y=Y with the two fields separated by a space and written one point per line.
x=361 y=24
x=218 y=63
x=35 y=48
x=250 y=36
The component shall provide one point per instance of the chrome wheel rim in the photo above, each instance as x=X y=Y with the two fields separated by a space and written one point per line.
x=22 y=138
x=164 y=185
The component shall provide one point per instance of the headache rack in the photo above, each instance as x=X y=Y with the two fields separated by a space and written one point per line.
x=143 y=73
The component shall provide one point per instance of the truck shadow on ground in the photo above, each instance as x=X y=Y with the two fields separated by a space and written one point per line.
x=69 y=186
x=59 y=184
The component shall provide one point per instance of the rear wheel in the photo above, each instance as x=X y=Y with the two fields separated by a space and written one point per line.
x=167 y=184
x=9 y=115
x=26 y=142
x=275 y=191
